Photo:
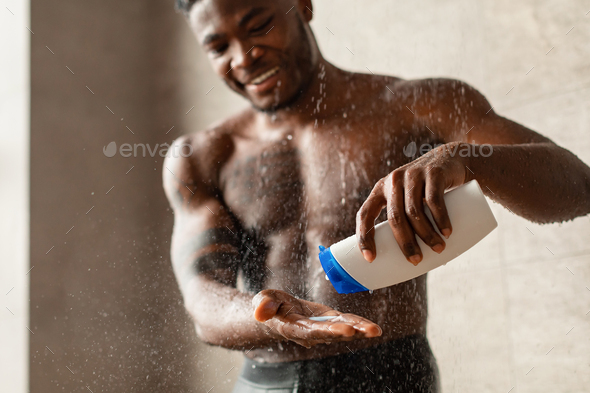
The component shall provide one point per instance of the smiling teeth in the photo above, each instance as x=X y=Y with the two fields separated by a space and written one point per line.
x=265 y=76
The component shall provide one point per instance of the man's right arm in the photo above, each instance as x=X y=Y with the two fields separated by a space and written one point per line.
x=205 y=258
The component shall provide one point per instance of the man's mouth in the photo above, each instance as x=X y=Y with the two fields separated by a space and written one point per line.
x=261 y=78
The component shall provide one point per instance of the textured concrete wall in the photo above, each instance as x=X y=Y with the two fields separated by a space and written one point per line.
x=501 y=316
x=105 y=309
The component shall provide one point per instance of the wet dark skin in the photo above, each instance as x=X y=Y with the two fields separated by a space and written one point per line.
x=319 y=157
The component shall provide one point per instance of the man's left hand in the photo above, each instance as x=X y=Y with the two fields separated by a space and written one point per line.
x=404 y=192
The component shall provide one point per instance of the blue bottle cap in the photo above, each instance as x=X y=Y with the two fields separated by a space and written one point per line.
x=340 y=279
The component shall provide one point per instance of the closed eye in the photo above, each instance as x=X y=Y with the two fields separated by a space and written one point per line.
x=218 y=50
x=262 y=26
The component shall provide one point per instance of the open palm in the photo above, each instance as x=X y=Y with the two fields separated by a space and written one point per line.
x=290 y=318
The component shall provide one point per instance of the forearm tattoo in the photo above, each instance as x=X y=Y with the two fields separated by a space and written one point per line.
x=217 y=260
x=228 y=259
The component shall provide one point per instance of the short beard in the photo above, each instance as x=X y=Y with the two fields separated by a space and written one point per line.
x=283 y=105
x=308 y=63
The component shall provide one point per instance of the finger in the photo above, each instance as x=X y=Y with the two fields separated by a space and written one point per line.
x=434 y=196
x=326 y=329
x=402 y=231
x=308 y=331
x=413 y=201
x=365 y=220
x=318 y=335
x=265 y=305
x=338 y=329
x=369 y=328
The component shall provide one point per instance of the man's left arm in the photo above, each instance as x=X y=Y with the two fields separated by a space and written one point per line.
x=515 y=166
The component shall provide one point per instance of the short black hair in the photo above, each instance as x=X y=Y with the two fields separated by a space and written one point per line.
x=185 y=5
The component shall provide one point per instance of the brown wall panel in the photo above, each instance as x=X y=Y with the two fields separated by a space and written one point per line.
x=105 y=309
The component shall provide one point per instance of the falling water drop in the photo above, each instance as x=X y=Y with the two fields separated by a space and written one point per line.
x=370 y=291
x=326 y=276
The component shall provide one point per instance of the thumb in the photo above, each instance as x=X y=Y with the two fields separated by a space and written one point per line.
x=265 y=306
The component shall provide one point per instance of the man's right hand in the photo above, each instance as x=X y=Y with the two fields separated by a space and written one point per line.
x=288 y=317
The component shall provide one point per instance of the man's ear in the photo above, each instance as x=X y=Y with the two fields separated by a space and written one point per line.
x=306 y=9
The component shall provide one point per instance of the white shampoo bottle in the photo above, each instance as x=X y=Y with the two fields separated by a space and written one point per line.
x=349 y=272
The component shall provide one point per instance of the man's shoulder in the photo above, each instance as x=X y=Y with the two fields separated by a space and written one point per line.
x=443 y=95
x=375 y=83
x=431 y=89
x=431 y=85
x=215 y=140
x=199 y=156
x=218 y=135
x=439 y=89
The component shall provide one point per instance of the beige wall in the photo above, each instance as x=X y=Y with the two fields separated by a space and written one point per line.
x=14 y=195
x=497 y=311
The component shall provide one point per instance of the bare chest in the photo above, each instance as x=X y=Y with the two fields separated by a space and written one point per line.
x=310 y=178
x=262 y=184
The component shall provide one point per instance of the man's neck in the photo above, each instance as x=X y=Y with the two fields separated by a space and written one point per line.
x=321 y=98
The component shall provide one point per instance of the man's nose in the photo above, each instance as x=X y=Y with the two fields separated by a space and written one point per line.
x=246 y=55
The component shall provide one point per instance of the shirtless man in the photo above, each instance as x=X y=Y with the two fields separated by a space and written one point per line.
x=319 y=156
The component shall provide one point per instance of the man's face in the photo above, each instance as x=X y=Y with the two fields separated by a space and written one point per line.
x=260 y=48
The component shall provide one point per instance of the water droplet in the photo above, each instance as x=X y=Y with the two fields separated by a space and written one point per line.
x=326 y=276
x=370 y=291
x=289 y=137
